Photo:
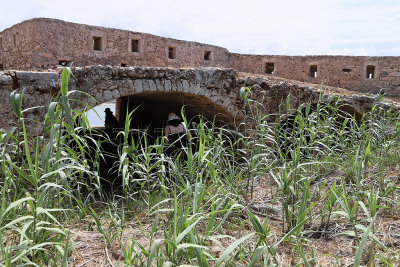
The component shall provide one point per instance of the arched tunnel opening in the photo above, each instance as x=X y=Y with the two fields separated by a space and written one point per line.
x=150 y=110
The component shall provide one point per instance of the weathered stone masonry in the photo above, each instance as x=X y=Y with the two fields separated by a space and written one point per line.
x=40 y=43
x=206 y=91
x=362 y=74
x=44 y=42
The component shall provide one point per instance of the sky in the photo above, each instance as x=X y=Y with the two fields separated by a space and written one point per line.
x=280 y=27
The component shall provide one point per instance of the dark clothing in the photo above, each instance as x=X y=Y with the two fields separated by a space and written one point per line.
x=177 y=142
x=110 y=121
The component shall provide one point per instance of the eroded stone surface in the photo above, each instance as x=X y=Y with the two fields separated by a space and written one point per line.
x=212 y=90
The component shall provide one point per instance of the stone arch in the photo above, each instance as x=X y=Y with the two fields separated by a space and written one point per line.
x=346 y=105
x=352 y=111
x=154 y=92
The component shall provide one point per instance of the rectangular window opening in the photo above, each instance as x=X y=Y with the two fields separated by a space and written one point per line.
x=64 y=63
x=15 y=40
x=207 y=55
x=97 y=43
x=1 y=67
x=171 y=52
x=123 y=64
x=313 y=71
x=1 y=43
x=135 y=45
x=346 y=70
x=370 y=71
x=269 y=68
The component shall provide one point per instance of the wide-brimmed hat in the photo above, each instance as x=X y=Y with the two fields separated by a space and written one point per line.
x=172 y=116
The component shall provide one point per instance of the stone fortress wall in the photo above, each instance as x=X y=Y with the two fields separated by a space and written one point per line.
x=362 y=74
x=39 y=43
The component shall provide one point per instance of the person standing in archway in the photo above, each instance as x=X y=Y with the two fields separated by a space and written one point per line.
x=110 y=121
x=175 y=134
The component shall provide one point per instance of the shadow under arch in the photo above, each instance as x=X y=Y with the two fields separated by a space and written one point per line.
x=351 y=111
x=152 y=108
x=150 y=112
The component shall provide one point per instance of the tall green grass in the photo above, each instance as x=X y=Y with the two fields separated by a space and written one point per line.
x=198 y=200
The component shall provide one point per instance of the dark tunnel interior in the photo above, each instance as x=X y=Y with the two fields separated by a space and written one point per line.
x=152 y=108
x=150 y=111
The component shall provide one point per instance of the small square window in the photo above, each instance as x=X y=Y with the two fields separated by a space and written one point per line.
x=370 y=71
x=171 y=52
x=135 y=45
x=313 y=71
x=269 y=67
x=97 y=43
x=207 y=55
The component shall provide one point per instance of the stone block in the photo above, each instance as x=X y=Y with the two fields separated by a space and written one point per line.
x=127 y=84
x=131 y=72
x=363 y=98
x=207 y=93
x=122 y=72
x=107 y=95
x=30 y=76
x=394 y=74
x=138 y=86
x=198 y=89
x=99 y=96
x=159 y=85
x=161 y=74
x=6 y=80
x=185 y=86
x=146 y=86
x=123 y=91
x=168 y=86
x=179 y=86
x=198 y=77
x=115 y=93
x=233 y=95
x=230 y=109
x=226 y=103
x=175 y=86
x=192 y=87
x=152 y=85
x=219 y=101
x=387 y=69
x=389 y=78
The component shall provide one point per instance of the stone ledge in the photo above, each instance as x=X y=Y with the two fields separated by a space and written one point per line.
x=30 y=76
